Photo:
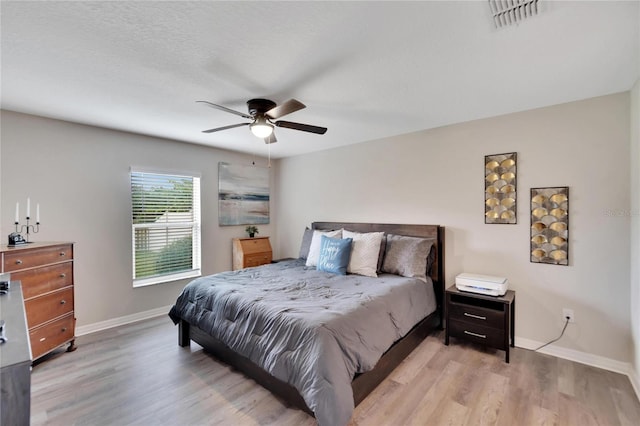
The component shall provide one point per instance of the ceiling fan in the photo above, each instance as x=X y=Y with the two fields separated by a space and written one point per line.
x=262 y=112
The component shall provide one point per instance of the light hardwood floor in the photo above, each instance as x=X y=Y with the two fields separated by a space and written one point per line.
x=138 y=375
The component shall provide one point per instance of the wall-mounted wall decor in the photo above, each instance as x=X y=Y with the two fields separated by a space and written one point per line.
x=500 y=188
x=243 y=194
x=550 y=225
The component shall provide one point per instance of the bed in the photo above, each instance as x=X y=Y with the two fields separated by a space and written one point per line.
x=320 y=341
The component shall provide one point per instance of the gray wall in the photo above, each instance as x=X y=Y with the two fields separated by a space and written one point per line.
x=436 y=176
x=80 y=176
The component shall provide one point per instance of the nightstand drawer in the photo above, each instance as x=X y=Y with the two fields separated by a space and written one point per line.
x=476 y=315
x=477 y=333
x=257 y=259
x=255 y=245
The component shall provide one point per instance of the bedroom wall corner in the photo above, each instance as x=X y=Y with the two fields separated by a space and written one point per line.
x=80 y=176
x=635 y=235
x=436 y=177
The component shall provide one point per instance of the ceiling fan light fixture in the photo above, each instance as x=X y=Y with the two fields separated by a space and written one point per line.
x=261 y=114
x=261 y=128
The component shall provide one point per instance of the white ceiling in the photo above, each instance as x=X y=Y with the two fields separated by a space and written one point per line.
x=365 y=70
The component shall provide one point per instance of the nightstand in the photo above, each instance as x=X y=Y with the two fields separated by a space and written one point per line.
x=249 y=252
x=487 y=320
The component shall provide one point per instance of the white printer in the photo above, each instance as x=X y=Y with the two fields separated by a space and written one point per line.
x=482 y=284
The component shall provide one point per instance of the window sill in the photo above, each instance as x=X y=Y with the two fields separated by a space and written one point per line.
x=144 y=282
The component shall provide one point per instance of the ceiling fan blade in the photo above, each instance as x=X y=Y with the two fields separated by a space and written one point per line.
x=217 y=129
x=220 y=107
x=283 y=109
x=270 y=139
x=299 y=126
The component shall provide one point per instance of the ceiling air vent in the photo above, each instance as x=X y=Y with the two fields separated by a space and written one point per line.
x=512 y=12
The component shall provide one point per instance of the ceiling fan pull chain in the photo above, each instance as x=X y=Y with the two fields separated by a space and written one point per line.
x=269 y=151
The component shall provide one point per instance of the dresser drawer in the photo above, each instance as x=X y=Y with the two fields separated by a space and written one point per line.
x=45 y=280
x=476 y=315
x=51 y=335
x=22 y=259
x=257 y=259
x=255 y=245
x=52 y=305
x=477 y=333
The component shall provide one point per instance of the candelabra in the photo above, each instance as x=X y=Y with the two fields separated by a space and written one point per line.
x=28 y=229
x=16 y=238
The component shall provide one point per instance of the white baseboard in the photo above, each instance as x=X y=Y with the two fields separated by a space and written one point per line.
x=584 y=358
x=635 y=381
x=127 y=319
x=577 y=356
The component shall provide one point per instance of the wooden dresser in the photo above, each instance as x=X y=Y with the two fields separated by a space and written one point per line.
x=248 y=252
x=46 y=273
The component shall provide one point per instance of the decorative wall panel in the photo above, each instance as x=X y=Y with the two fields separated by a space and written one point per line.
x=550 y=225
x=500 y=188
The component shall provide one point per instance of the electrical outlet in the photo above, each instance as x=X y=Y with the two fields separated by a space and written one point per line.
x=567 y=313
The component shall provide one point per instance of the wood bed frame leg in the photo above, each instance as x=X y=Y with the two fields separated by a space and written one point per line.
x=183 y=334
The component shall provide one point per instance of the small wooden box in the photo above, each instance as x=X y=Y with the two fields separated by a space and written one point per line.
x=249 y=252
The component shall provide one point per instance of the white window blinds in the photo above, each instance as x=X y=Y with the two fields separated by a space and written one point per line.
x=165 y=227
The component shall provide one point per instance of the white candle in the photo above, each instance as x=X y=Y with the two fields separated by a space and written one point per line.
x=38 y=213
x=17 y=212
x=28 y=207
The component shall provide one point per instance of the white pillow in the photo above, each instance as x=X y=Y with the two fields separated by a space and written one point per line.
x=365 y=250
x=314 y=248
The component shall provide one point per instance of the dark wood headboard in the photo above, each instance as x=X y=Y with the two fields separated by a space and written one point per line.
x=424 y=231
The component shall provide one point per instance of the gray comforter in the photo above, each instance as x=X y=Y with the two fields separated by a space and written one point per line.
x=311 y=329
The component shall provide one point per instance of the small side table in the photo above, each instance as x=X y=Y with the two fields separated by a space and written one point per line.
x=488 y=320
x=249 y=252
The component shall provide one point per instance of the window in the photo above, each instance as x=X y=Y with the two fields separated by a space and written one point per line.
x=165 y=227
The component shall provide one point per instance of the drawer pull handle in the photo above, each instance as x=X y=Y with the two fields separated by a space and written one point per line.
x=474 y=316
x=18 y=262
x=62 y=302
x=63 y=275
x=482 y=336
x=64 y=329
x=62 y=253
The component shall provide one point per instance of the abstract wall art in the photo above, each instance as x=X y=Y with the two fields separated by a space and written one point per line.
x=550 y=225
x=500 y=188
x=243 y=194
